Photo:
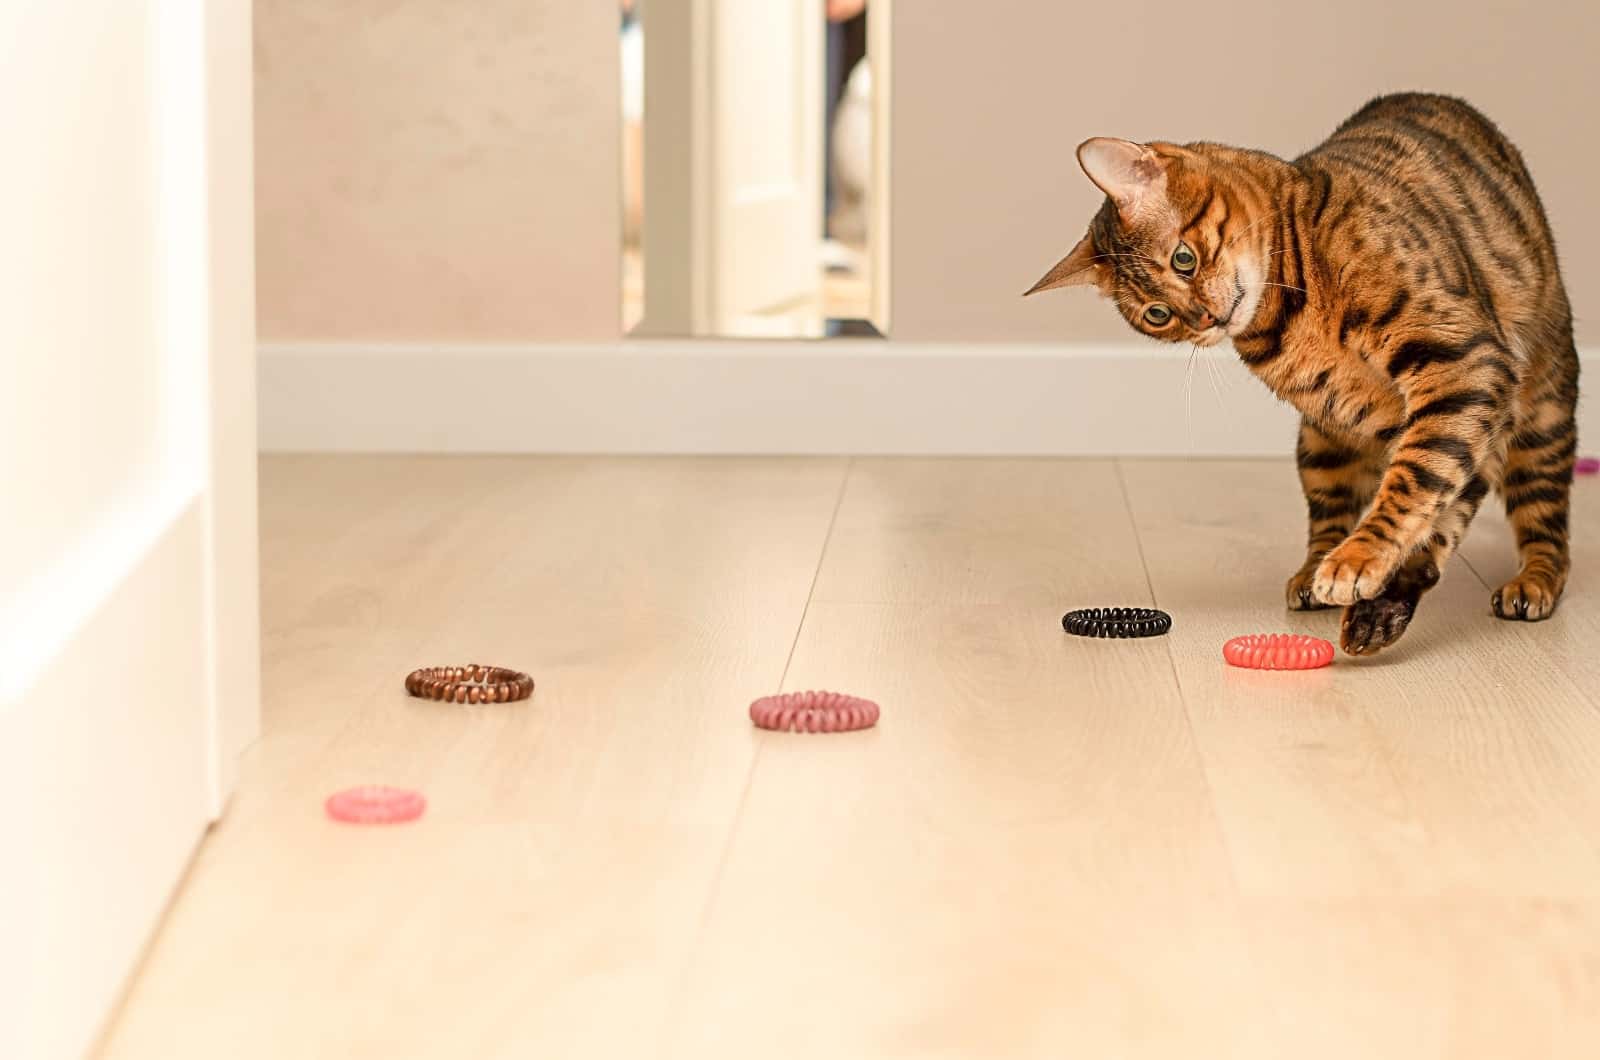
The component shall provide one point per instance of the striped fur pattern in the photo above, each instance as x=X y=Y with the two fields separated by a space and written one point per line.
x=1398 y=285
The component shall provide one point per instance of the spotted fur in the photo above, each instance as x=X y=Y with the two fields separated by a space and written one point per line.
x=1398 y=285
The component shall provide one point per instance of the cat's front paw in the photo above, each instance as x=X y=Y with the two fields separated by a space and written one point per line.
x=1298 y=592
x=1372 y=625
x=1357 y=569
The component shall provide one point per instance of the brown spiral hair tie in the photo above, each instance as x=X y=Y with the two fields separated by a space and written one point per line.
x=469 y=684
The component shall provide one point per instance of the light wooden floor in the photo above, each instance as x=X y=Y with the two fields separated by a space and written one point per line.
x=1049 y=847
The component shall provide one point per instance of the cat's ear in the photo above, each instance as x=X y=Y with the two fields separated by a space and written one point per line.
x=1130 y=174
x=1074 y=270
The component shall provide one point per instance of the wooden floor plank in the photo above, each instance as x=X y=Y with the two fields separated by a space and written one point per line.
x=560 y=872
x=1049 y=846
x=1446 y=765
x=1569 y=638
x=1021 y=859
x=1433 y=979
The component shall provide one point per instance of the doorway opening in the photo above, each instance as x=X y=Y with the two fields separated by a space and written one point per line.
x=755 y=168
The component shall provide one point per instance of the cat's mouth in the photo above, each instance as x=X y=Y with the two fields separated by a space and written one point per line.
x=1221 y=327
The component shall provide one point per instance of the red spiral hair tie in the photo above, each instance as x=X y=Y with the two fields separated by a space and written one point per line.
x=814 y=712
x=375 y=804
x=1278 y=651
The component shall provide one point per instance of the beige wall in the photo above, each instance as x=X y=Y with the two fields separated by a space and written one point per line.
x=991 y=100
x=437 y=169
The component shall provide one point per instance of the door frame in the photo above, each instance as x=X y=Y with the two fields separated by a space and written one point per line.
x=880 y=219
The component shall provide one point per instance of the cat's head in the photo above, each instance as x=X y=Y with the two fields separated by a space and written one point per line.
x=1170 y=246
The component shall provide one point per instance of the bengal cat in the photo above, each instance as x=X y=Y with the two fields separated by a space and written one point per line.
x=1397 y=285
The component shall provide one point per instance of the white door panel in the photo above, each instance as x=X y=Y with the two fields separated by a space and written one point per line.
x=765 y=156
x=79 y=277
x=103 y=795
x=732 y=161
x=128 y=590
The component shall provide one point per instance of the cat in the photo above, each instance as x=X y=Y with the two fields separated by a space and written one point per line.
x=1398 y=285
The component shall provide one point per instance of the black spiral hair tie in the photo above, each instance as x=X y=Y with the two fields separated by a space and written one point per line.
x=1116 y=622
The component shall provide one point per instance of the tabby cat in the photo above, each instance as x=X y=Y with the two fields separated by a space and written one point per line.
x=1397 y=285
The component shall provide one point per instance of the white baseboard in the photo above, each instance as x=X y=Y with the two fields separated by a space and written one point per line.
x=713 y=396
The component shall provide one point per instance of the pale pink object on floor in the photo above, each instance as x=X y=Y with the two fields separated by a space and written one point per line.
x=1278 y=651
x=1588 y=465
x=375 y=804
x=814 y=712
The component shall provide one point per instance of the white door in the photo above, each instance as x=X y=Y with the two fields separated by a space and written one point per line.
x=128 y=602
x=733 y=162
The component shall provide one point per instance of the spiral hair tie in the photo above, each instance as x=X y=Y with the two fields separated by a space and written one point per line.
x=1278 y=651
x=814 y=712
x=375 y=804
x=1116 y=622
x=469 y=684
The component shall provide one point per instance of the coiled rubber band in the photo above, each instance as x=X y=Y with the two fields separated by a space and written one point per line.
x=1278 y=651
x=469 y=684
x=814 y=712
x=375 y=804
x=1116 y=622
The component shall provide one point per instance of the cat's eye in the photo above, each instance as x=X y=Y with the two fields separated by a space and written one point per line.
x=1157 y=315
x=1184 y=260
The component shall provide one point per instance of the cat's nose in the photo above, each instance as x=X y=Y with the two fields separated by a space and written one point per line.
x=1206 y=319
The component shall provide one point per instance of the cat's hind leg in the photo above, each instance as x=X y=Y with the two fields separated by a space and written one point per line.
x=1537 y=485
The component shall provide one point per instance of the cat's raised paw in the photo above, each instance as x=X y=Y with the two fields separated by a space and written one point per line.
x=1298 y=592
x=1356 y=570
x=1525 y=598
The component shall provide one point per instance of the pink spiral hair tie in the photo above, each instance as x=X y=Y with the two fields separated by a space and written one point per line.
x=1278 y=651
x=375 y=804
x=814 y=712
x=1587 y=465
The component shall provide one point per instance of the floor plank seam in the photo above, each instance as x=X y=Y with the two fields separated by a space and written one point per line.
x=670 y=1031
x=1523 y=629
x=1177 y=682
x=1476 y=573
x=822 y=557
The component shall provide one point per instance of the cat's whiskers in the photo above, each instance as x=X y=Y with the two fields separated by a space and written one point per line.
x=1269 y=283
x=1211 y=371
x=1222 y=374
x=1188 y=391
